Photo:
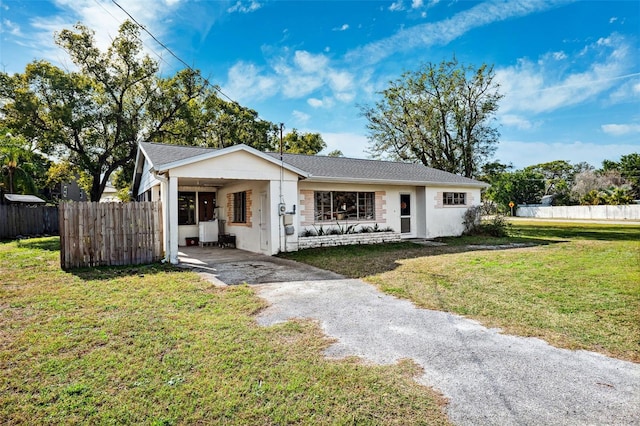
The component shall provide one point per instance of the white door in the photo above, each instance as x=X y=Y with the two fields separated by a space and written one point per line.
x=264 y=222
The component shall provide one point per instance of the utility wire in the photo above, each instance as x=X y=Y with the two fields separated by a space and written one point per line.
x=117 y=20
x=143 y=28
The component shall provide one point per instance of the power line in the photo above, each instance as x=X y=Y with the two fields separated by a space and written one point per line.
x=143 y=28
x=117 y=20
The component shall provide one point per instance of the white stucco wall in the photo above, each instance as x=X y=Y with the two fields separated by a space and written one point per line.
x=446 y=221
x=239 y=165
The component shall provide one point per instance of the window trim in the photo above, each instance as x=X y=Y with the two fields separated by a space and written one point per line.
x=454 y=199
x=239 y=213
x=362 y=204
x=190 y=207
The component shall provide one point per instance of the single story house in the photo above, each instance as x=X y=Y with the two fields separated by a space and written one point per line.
x=268 y=200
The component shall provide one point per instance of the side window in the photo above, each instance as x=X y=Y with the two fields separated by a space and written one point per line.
x=240 y=207
x=186 y=208
x=454 y=198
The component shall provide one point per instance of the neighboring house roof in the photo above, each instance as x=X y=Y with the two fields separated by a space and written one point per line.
x=18 y=198
x=313 y=167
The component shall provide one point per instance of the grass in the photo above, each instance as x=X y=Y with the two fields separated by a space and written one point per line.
x=157 y=345
x=577 y=286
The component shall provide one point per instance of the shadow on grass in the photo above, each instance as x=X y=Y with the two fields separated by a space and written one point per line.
x=106 y=273
x=581 y=232
x=364 y=260
x=46 y=243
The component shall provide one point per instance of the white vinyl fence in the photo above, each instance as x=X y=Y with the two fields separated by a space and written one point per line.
x=626 y=212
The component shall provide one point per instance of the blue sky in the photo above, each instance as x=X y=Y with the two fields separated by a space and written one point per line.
x=569 y=71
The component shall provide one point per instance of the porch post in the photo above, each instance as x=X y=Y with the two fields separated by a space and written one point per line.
x=173 y=220
x=164 y=199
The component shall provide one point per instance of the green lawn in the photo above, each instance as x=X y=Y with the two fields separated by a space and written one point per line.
x=156 y=345
x=576 y=285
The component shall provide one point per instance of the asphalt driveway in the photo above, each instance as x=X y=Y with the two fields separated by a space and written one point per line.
x=489 y=378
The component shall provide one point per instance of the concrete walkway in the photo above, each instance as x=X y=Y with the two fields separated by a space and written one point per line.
x=489 y=378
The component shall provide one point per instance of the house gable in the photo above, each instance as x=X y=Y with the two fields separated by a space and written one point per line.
x=235 y=165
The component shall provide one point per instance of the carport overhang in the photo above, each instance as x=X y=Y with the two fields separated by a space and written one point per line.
x=170 y=184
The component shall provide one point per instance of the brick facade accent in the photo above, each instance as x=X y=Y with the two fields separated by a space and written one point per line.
x=307 y=207
x=381 y=206
x=248 y=213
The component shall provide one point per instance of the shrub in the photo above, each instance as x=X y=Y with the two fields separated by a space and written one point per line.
x=471 y=220
x=496 y=227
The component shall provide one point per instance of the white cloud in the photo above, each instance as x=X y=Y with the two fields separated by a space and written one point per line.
x=613 y=19
x=351 y=144
x=416 y=4
x=344 y=27
x=543 y=86
x=315 y=103
x=340 y=81
x=244 y=82
x=295 y=76
x=516 y=121
x=326 y=102
x=396 y=6
x=523 y=154
x=301 y=117
x=6 y=26
x=443 y=32
x=244 y=7
x=620 y=129
x=101 y=16
x=310 y=63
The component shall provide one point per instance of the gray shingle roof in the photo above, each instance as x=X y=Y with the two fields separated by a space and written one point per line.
x=160 y=154
x=371 y=170
x=322 y=167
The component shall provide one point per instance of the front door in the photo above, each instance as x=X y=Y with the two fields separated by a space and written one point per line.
x=405 y=213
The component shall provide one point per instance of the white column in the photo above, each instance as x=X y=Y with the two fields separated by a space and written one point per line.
x=164 y=198
x=172 y=197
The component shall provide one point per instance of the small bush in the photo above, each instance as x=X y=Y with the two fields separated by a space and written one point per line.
x=471 y=220
x=496 y=227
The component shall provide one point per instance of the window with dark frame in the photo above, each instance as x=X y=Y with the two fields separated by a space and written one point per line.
x=344 y=205
x=454 y=198
x=186 y=208
x=240 y=207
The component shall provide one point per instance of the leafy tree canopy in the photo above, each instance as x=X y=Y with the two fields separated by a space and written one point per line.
x=440 y=115
x=629 y=168
x=302 y=143
x=22 y=170
x=95 y=116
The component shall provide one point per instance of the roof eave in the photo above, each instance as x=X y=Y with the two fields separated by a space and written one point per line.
x=395 y=182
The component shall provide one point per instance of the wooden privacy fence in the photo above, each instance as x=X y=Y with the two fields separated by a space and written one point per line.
x=27 y=220
x=96 y=234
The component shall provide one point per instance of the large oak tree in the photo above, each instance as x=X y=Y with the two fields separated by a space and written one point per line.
x=440 y=115
x=95 y=115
